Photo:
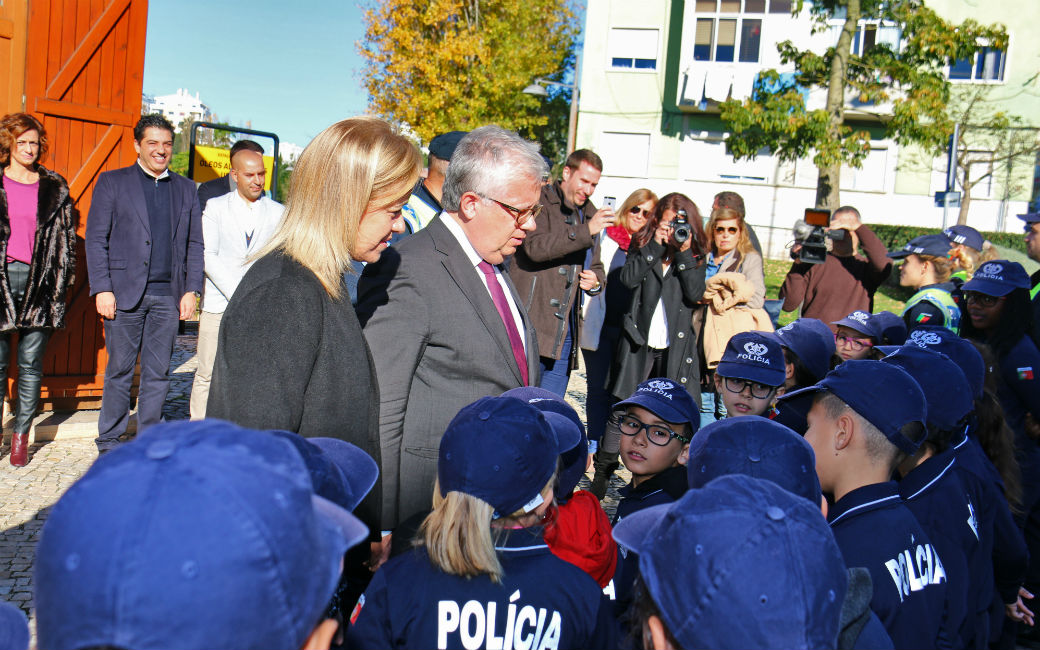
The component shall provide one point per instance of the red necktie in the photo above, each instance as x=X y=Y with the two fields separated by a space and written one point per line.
x=502 y=305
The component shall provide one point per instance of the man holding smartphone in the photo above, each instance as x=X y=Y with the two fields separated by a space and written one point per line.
x=559 y=257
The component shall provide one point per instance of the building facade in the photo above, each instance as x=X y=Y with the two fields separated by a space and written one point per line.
x=655 y=72
x=178 y=106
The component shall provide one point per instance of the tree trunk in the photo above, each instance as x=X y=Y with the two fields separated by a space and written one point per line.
x=828 y=183
x=962 y=216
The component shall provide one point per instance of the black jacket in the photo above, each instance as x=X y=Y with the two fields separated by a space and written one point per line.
x=681 y=289
x=53 y=266
x=290 y=357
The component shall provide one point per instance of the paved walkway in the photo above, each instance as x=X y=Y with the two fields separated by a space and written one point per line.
x=27 y=493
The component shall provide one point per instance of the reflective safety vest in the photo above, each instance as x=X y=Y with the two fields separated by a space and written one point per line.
x=944 y=301
x=417 y=213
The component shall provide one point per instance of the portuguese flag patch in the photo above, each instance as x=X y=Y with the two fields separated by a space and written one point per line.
x=1025 y=373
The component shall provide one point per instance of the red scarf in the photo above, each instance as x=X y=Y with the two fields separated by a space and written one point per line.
x=620 y=235
x=579 y=532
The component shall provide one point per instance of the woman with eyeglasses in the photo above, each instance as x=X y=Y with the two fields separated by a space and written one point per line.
x=601 y=329
x=927 y=267
x=665 y=271
x=999 y=315
x=731 y=252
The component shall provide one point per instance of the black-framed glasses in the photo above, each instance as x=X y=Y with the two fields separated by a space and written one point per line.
x=758 y=391
x=635 y=210
x=856 y=344
x=985 y=300
x=519 y=216
x=630 y=425
x=723 y=229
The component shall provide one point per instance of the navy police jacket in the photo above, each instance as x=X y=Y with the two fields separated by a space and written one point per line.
x=661 y=489
x=943 y=506
x=1002 y=547
x=543 y=602
x=874 y=529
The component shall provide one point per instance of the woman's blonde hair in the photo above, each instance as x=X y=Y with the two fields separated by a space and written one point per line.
x=458 y=535
x=639 y=197
x=965 y=259
x=726 y=214
x=352 y=166
x=942 y=266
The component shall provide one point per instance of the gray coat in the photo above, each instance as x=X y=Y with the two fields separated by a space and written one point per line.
x=290 y=357
x=438 y=345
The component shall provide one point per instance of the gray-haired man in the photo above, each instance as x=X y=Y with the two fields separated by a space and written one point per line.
x=442 y=319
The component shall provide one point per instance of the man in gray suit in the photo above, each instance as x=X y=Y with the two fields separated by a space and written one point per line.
x=442 y=319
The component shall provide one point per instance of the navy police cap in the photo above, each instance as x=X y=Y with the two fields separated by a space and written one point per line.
x=881 y=393
x=935 y=245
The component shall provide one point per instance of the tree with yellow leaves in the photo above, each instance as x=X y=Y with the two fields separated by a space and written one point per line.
x=444 y=65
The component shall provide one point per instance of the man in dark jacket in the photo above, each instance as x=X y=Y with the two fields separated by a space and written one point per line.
x=558 y=258
x=144 y=260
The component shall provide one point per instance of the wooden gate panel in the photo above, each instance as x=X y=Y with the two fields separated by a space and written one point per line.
x=84 y=75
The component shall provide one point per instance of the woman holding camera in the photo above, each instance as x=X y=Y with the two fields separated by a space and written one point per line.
x=665 y=271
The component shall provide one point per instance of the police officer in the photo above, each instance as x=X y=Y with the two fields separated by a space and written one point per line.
x=482 y=575
x=1032 y=219
x=425 y=202
x=927 y=268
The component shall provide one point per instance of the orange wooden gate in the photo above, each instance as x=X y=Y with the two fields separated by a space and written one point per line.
x=84 y=70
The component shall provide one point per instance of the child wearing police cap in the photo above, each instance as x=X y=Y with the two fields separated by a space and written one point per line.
x=765 y=449
x=856 y=334
x=577 y=529
x=737 y=563
x=808 y=346
x=482 y=574
x=202 y=535
x=991 y=490
x=864 y=418
x=656 y=423
x=751 y=373
x=936 y=494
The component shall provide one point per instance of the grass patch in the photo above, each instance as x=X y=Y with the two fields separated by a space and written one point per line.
x=890 y=297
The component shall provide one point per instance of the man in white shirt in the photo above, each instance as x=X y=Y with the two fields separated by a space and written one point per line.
x=234 y=226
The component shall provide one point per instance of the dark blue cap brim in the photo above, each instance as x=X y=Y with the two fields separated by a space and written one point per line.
x=1030 y=217
x=752 y=373
x=659 y=407
x=360 y=471
x=887 y=349
x=899 y=254
x=988 y=287
x=855 y=325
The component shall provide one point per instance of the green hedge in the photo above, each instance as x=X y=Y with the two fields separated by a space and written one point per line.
x=897 y=236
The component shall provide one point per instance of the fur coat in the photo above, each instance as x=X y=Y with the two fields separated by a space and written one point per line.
x=53 y=266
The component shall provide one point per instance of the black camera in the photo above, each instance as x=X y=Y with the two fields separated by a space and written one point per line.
x=681 y=227
x=811 y=234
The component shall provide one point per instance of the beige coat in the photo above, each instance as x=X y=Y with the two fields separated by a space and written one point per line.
x=728 y=295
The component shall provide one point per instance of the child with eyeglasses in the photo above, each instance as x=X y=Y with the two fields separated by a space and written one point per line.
x=751 y=374
x=656 y=423
x=857 y=334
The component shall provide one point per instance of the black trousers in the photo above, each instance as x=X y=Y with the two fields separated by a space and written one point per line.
x=29 y=354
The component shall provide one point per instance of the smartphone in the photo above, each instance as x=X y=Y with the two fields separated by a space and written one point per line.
x=609 y=202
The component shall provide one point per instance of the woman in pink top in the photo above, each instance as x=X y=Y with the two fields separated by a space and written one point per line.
x=38 y=251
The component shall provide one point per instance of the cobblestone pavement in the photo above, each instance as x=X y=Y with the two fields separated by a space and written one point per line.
x=27 y=493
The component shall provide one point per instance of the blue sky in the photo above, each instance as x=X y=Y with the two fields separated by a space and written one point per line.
x=290 y=68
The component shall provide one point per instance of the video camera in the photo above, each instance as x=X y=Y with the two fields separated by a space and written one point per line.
x=812 y=234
